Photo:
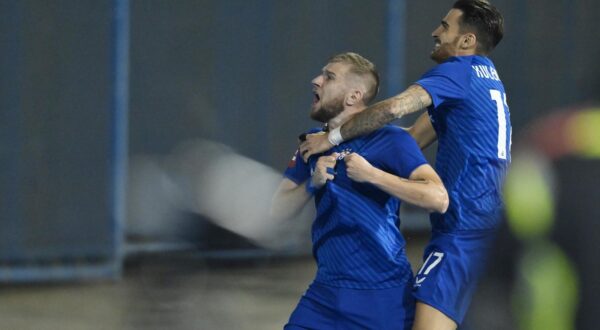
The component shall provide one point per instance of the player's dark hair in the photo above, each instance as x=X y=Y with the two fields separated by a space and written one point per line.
x=483 y=19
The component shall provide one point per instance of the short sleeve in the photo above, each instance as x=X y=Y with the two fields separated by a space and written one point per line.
x=447 y=82
x=407 y=155
x=297 y=170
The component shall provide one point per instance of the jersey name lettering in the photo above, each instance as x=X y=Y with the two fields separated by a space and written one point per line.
x=487 y=72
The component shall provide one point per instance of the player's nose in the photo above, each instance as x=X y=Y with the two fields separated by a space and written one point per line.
x=317 y=81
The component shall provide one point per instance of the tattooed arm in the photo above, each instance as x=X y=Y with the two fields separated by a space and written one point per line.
x=376 y=116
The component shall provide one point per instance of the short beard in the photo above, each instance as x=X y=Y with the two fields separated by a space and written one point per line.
x=443 y=52
x=328 y=111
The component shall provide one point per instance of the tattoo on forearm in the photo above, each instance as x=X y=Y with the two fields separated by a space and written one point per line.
x=381 y=113
x=367 y=121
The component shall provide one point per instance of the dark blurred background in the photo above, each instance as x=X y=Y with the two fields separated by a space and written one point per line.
x=143 y=127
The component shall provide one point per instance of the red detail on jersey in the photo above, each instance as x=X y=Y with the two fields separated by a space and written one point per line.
x=292 y=162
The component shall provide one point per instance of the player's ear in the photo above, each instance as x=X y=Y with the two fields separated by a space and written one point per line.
x=468 y=41
x=353 y=97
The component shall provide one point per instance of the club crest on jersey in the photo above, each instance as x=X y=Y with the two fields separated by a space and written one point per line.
x=344 y=153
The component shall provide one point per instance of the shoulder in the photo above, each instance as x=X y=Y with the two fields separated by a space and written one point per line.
x=314 y=130
x=392 y=130
x=457 y=65
x=399 y=151
x=462 y=61
x=394 y=133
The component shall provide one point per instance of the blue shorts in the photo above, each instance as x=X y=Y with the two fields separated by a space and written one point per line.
x=325 y=307
x=452 y=265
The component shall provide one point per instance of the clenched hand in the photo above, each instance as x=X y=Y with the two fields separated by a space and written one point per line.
x=314 y=144
x=324 y=170
x=358 y=168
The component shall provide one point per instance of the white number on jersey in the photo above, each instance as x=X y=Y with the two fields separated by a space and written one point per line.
x=500 y=104
x=427 y=267
x=438 y=257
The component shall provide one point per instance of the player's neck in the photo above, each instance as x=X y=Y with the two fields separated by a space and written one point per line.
x=466 y=52
x=344 y=116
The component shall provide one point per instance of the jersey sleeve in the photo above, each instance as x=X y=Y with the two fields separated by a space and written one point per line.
x=407 y=155
x=297 y=170
x=447 y=82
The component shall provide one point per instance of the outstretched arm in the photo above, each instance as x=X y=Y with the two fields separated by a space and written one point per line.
x=411 y=100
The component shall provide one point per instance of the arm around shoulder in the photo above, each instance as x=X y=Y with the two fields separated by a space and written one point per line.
x=379 y=114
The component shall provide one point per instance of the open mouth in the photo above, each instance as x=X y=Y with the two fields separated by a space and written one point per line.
x=316 y=98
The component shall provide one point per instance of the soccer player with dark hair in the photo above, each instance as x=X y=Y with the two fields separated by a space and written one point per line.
x=363 y=279
x=468 y=114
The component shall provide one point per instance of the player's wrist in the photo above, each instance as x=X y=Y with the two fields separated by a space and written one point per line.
x=335 y=136
x=372 y=175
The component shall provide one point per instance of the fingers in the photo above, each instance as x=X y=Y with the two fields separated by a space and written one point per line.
x=328 y=176
x=325 y=162
x=352 y=159
x=325 y=169
x=357 y=168
x=313 y=144
x=306 y=150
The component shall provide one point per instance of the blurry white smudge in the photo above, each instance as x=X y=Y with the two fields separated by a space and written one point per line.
x=212 y=180
x=154 y=199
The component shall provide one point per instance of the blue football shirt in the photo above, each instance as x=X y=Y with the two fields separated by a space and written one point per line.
x=472 y=121
x=356 y=238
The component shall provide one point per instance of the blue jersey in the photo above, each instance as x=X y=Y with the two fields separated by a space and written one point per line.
x=356 y=239
x=471 y=118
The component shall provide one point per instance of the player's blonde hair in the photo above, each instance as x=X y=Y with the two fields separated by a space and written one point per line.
x=362 y=68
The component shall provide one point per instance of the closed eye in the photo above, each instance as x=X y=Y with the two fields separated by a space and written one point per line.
x=329 y=75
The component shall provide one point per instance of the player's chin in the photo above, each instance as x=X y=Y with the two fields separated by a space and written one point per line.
x=316 y=114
